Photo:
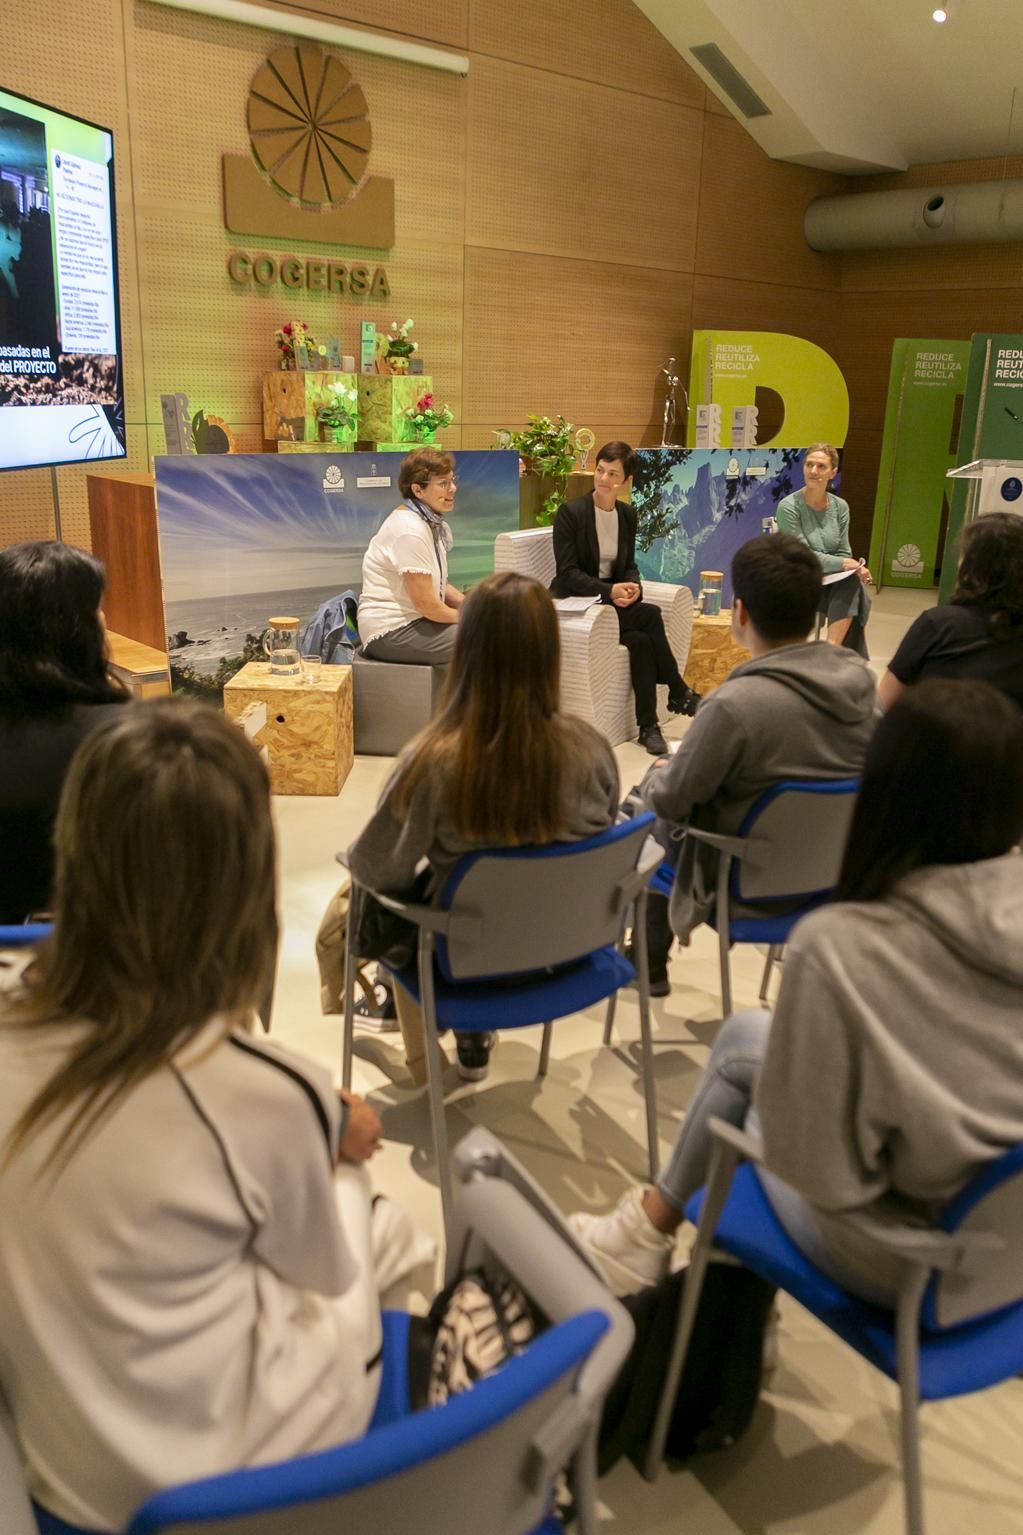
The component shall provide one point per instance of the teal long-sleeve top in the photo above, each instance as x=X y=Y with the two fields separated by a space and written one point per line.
x=826 y=533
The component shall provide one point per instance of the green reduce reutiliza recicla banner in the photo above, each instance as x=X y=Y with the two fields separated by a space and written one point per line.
x=927 y=377
x=992 y=425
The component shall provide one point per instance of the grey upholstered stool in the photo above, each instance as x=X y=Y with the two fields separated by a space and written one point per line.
x=392 y=702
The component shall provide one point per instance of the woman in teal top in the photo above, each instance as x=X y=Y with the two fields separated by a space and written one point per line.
x=821 y=521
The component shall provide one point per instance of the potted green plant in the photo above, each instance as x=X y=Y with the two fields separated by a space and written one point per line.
x=338 y=416
x=548 y=453
x=425 y=419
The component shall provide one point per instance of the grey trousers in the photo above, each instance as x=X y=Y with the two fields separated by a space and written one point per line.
x=420 y=643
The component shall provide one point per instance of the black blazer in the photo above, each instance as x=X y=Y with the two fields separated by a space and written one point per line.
x=577 y=557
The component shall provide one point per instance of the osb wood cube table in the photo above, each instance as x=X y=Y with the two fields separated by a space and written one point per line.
x=712 y=652
x=308 y=734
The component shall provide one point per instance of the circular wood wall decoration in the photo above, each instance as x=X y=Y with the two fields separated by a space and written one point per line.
x=309 y=125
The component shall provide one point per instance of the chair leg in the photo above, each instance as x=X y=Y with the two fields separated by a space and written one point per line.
x=545 y=1050
x=723 y=1161
x=582 y=1475
x=646 y=1043
x=773 y=956
x=434 y=1081
x=726 y=971
x=908 y=1346
x=609 y=1021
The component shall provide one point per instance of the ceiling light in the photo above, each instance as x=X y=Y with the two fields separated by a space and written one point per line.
x=941 y=14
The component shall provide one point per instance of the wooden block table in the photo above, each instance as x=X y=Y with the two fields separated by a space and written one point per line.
x=383 y=401
x=308 y=733
x=712 y=652
x=291 y=399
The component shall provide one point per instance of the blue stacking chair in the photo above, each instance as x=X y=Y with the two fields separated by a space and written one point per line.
x=487 y=1460
x=521 y=936
x=24 y=935
x=958 y=1323
x=787 y=853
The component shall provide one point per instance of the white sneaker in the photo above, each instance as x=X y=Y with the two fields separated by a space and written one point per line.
x=629 y=1251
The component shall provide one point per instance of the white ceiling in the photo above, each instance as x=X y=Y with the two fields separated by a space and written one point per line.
x=865 y=85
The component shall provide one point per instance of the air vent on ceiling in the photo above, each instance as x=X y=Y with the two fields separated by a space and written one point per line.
x=725 y=74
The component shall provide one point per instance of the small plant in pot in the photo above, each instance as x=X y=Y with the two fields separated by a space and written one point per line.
x=547 y=450
x=338 y=416
x=426 y=418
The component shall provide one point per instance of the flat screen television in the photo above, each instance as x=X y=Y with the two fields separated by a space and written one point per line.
x=61 y=394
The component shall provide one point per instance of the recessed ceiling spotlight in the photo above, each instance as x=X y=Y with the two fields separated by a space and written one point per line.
x=941 y=14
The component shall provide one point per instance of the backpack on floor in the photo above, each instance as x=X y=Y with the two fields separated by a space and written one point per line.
x=720 y=1384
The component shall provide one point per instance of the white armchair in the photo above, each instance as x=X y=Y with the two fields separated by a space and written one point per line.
x=595 y=680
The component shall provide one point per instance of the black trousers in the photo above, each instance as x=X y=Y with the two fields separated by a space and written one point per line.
x=641 y=631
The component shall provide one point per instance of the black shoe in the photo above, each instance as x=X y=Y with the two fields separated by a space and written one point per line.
x=659 y=985
x=473 y=1055
x=686 y=702
x=650 y=737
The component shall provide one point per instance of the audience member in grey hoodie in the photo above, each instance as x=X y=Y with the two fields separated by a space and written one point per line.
x=796 y=710
x=892 y=1069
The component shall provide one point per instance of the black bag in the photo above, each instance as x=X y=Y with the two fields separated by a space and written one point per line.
x=385 y=936
x=720 y=1384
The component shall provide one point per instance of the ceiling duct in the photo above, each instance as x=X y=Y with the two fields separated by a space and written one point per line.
x=979 y=213
x=724 y=73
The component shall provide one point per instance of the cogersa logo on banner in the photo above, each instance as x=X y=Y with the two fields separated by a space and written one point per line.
x=909 y=561
x=307 y=177
x=333 y=480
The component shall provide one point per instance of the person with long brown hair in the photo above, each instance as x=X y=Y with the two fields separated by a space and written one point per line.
x=188 y=1280
x=499 y=766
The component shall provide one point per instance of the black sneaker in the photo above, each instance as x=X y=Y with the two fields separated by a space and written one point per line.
x=473 y=1055
x=650 y=737
x=686 y=702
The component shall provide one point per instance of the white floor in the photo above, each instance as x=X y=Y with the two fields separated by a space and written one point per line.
x=821 y=1457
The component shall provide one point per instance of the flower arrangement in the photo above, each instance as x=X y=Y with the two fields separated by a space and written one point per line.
x=288 y=335
x=339 y=412
x=398 y=347
x=425 y=418
x=547 y=450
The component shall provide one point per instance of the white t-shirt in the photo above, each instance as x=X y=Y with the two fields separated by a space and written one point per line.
x=182 y=1299
x=607 y=540
x=402 y=545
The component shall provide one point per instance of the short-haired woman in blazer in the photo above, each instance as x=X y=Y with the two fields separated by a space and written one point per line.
x=595 y=556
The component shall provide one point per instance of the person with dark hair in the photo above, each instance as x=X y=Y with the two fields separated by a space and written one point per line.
x=892 y=1068
x=55 y=687
x=498 y=766
x=595 y=556
x=978 y=633
x=408 y=608
x=821 y=520
x=795 y=710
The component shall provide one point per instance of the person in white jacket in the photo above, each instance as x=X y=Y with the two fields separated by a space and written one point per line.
x=892 y=1068
x=189 y=1260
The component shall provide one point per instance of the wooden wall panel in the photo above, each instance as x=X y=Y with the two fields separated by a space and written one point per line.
x=938 y=267
x=609 y=41
x=751 y=213
x=621 y=183
x=581 y=337
x=871 y=321
x=440 y=21
x=730 y=304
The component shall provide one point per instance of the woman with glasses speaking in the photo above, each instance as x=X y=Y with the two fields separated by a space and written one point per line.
x=408 y=608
